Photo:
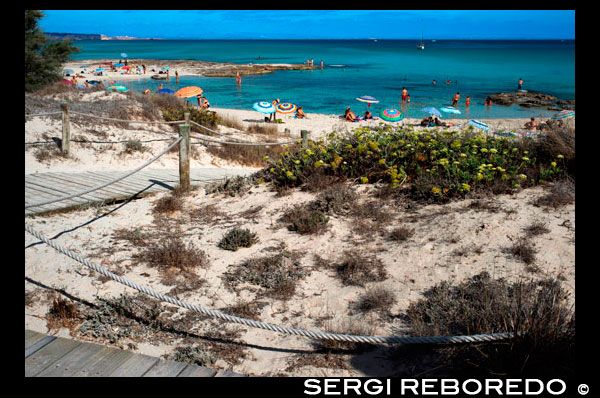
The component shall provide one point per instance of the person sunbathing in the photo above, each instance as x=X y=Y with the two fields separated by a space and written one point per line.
x=350 y=116
x=425 y=122
x=300 y=113
x=531 y=125
x=368 y=115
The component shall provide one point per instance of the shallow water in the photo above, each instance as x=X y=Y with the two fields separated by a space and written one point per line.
x=354 y=68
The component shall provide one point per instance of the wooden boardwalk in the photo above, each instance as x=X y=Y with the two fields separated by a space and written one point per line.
x=47 y=356
x=40 y=187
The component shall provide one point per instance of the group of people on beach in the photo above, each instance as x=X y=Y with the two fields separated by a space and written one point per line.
x=299 y=112
x=351 y=117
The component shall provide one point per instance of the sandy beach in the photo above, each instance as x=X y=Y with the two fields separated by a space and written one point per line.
x=450 y=242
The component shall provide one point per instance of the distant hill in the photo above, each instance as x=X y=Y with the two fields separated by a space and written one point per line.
x=73 y=36
x=84 y=36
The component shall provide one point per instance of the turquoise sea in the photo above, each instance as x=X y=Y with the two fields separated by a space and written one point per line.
x=353 y=68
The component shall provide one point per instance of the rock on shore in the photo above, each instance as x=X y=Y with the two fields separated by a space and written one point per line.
x=531 y=99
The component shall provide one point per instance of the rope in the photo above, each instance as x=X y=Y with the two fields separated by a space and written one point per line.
x=267 y=326
x=125 y=120
x=242 y=143
x=43 y=114
x=108 y=183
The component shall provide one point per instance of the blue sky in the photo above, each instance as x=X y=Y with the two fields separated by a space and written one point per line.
x=315 y=24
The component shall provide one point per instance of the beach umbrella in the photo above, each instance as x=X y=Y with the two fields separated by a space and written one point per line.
x=286 y=107
x=165 y=68
x=118 y=65
x=165 y=91
x=432 y=111
x=188 y=92
x=566 y=114
x=264 y=107
x=479 y=124
x=391 y=115
x=368 y=99
x=450 y=109
x=126 y=67
x=118 y=88
x=99 y=69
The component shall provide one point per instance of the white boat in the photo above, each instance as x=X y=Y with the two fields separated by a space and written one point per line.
x=421 y=45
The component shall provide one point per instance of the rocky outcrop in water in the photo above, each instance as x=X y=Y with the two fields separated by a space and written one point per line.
x=531 y=99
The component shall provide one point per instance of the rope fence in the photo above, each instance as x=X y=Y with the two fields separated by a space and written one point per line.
x=315 y=335
x=184 y=141
x=108 y=183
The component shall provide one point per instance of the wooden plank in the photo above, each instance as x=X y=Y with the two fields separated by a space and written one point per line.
x=227 y=373
x=102 y=178
x=32 y=337
x=36 y=343
x=71 y=187
x=47 y=355
x=104 y=363
x=197 y=371
x=131 y=181
x=87 y=183
x=135 y=366
x=49 y=193
x=69 y=364
x=165 y=368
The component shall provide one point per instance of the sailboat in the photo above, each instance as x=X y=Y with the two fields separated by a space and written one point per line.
x=421 y=45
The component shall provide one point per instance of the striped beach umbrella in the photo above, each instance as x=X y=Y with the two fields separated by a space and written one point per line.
x=118 y=88
x=165 y=68
x=264 y=107
x=450 y=109
x=286 y=107
x=479 y=124
x=432 y=111
x=564 y=115
x=368 y=99
x=391 y=115
x=188 y=92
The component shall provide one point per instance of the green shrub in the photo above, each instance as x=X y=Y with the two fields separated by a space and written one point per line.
x=440 y=165
x=236 y=238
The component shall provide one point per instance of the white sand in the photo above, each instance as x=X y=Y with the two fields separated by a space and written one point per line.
x=413 y=266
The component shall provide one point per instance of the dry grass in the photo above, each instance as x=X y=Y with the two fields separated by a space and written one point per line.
x=62 y=313
x=277 y=275
x=537 y=310
x=401 y=234
x=378 y=299
x=168 y=204
x=357 y=269
x=236 y=238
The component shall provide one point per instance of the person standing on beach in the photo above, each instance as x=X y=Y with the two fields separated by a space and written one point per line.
x=167 y=74
x=238 y=78
x=144 y=67
x=176 y=77
x=272 y=115
x=520 y=84
x=455 y=99
x=404 y=94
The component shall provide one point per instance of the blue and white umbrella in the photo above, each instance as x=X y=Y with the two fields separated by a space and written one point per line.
x=450 y=109
x=166 y=68
x=118 y=65
x=263 y=107
x=99 y=69
x=432 y=111
x=479 y=124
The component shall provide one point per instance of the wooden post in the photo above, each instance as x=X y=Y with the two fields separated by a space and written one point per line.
x=184 y=154
x=304 y=134
x=65 y=145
